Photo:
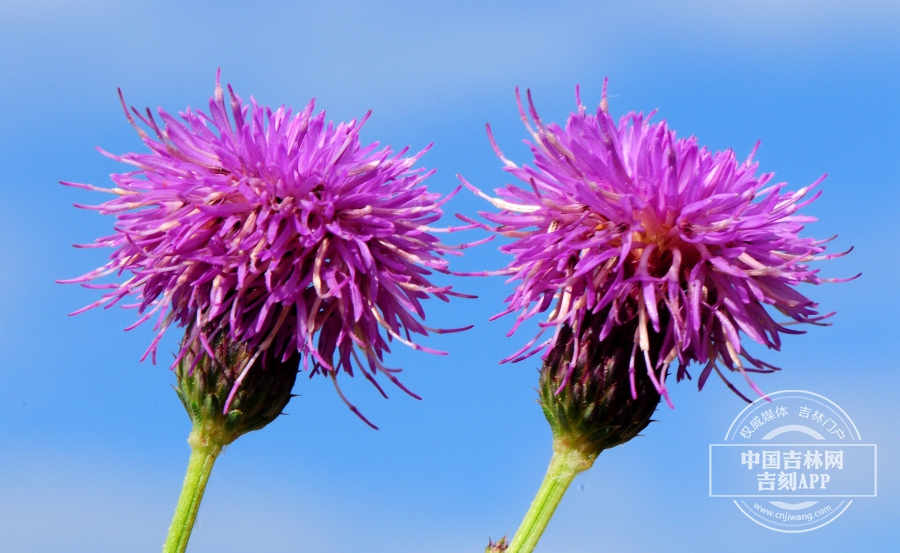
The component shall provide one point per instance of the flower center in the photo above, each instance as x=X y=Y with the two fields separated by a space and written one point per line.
x=665 y=243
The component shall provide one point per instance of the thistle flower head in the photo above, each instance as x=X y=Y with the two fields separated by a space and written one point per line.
x=278 y=231
x=499 y=547
x=623 y=230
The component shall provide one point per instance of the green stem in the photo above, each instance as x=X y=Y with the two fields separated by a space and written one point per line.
x=203 y=456
x=565 y=464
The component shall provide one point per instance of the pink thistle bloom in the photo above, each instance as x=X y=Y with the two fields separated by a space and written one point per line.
x=275 y=231
x=686 y=246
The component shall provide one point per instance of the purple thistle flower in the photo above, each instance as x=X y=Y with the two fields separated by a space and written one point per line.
x=647 y=231
x=277 y=232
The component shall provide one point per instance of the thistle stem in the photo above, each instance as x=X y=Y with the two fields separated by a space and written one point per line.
x=565 y=464
x=203 y=456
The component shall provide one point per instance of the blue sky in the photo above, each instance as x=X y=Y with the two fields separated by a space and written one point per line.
x=92 y=442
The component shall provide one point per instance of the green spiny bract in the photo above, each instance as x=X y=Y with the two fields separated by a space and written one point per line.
x=260 y=397
x=593 y=407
